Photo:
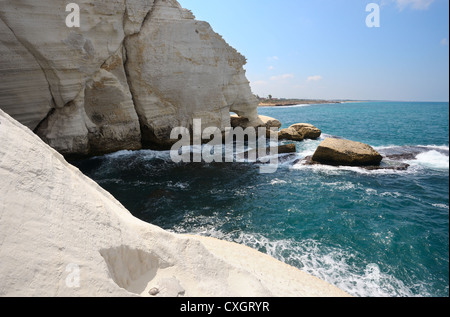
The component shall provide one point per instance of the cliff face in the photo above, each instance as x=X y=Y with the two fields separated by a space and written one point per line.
x=132 y=71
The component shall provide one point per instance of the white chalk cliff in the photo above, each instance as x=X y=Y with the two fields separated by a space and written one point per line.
x=61 y=234
x=132 y=71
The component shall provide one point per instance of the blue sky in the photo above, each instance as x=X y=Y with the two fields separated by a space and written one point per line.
x=323 y=48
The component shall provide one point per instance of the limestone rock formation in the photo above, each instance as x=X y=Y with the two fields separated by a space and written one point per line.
x=63 y=235
x=300 y=132
x=290 y=134
x=27 y=100
x=269 y=122
x=347 y=153
x=180 y=70
x=261 y=122
x=132 y=71
x=308 y=131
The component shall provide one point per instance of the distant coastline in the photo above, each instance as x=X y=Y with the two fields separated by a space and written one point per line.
x=282 y=102
x=295 y=102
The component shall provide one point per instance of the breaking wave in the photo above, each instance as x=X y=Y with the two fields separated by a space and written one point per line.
x=345 y=269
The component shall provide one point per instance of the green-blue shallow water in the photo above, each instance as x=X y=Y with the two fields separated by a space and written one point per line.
x=371 y=233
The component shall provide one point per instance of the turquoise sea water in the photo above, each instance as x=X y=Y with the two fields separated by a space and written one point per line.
x=371 y=233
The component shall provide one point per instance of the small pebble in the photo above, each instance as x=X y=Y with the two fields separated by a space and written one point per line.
x=154 y=291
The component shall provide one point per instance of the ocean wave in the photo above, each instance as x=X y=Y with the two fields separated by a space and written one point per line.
x=144 y=154
x=119 y=154
x=411 y=150
x=342 y=186
x=277 y=181
x=418 y=157
x=423 y=147
x=178 y=185
x=296 y=106
x=441 y=206
x=338 y=170
x=333 y=265
x=325 y=136
x=432 y=159
x=116 y=181
x=434 y=147
x=389 y=194
x=308 y=147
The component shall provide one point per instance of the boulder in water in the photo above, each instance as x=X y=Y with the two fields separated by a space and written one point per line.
x=345 y=152
x=307 y=131
x=290 y=134
x=300 y=132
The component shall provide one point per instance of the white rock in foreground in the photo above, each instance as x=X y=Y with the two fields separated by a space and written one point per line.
x=56 y=222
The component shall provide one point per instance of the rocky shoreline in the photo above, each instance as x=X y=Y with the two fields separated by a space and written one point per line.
x=132 y=72
x=295 y=102
x=63 y=235
x=340 y=152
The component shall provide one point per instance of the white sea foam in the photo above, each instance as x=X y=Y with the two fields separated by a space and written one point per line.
x=442 y=206
x=435 y=147
x=145 y=154
x=308 y=147
x=333 y=265
x=112 y=180
x=391 y=194
x=431 y=147
x=277 y=181
x=338 y=170
x=119 y=154
x=343 y=186
x=179 y=185
x=432 y=159
x=371 y=191
x=296 y=106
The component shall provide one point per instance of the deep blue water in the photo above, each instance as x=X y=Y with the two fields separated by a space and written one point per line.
x=371 y=233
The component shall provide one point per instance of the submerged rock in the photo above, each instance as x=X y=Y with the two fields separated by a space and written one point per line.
x=386 y=165
x=394 y=167
x=348 y=153
x=281 y=149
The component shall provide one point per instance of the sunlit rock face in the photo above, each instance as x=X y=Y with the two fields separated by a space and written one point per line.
x=134 y=70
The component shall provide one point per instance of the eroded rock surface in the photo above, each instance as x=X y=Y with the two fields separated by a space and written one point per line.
x=134 y=70
x=347 y=153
